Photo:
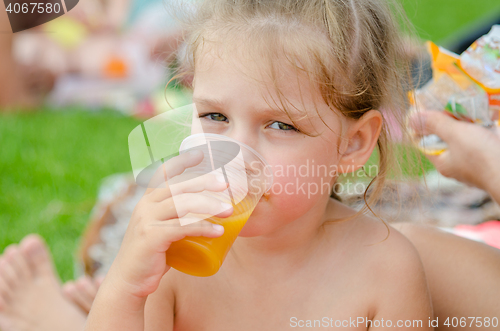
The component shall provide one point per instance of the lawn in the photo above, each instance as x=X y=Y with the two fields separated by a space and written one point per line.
x=52 y=162
x=438 y=20
x=51 y=166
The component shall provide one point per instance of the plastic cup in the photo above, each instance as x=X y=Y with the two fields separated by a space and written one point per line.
x=248 y=176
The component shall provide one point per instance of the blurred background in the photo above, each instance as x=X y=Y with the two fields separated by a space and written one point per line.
x=72 y=89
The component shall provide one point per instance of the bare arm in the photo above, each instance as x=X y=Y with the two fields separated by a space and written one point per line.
x=116 y=309
x=156 y=313
x=139 y=268
x=159 y=311
x=403 y=297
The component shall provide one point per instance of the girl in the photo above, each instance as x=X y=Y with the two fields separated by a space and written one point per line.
x=301 y=82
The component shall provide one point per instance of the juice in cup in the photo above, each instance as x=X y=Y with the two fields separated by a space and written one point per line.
x=248 y=176
x=201 y=256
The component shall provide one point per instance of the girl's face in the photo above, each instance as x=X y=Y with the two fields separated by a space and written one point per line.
x=232 y=104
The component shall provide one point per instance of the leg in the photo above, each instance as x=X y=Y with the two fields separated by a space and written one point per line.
x=463 y=275
x=30 y=293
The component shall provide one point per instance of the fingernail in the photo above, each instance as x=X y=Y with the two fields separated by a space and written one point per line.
x=225 y=206
x=194 y=153
x=218 y=228
x=220 y=178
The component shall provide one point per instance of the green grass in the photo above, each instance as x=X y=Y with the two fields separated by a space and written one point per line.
x=51 y=166
x=438 y=19
x=51 y=163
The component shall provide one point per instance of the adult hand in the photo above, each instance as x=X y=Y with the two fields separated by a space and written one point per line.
x=473 y=154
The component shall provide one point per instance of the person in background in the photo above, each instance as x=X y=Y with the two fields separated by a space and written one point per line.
x=97 y=39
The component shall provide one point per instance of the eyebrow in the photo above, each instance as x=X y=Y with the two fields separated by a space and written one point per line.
x=210 y=102
x=219 y=104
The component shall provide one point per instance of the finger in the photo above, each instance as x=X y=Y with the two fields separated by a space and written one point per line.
x=163 y=234
x=435 y=122
x=157 y=236
x=197 y=203
x=203 y=228
x=438 y=159
x=172 y=168
x=208 y=182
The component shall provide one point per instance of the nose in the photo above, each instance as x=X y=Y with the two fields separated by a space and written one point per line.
x=244 y=134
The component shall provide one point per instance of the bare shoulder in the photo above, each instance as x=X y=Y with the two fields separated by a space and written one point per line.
x=396 y=272
x=160 y=305
x=388 y=248
x=389 y=272
x=382 y=248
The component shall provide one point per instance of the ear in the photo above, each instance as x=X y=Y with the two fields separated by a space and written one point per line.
x=362 y=136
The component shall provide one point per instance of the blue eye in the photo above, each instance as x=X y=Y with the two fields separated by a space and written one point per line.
x=218 y=117
x=282 y=126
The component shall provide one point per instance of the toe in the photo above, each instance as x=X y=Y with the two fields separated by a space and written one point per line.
x=87 y=285
x=3 y=304
x=98 y=281
x=5 y=290
x=77 y=296
x=7 y=272
x=68 y=289
x=18 y=262
x=37 y=254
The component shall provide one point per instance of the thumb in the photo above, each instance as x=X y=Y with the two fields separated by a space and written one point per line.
x=434 y=122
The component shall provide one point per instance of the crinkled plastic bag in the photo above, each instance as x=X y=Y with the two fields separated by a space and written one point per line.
x=481 y=61
x=454 y=91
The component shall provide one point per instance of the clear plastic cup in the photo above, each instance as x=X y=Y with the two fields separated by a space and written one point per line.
x=248 y=176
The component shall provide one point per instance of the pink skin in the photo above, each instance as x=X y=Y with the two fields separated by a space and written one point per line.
x=82 y=291
x=30 y=292
x=248 y=118
x=473 y=152
x=283 y=230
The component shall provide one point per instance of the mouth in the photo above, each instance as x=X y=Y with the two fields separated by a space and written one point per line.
x=265 y=197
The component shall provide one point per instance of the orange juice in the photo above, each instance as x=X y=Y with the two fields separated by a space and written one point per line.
x=203 y=256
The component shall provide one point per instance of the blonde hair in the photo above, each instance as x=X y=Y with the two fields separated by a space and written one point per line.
x=352 y=50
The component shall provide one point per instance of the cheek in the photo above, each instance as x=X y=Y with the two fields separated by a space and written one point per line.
x=295 y=193
x=298 y=185
x=303 y=177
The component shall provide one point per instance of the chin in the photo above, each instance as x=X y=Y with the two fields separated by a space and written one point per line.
x=254 y=227
x=261 y=224
x=249 y=233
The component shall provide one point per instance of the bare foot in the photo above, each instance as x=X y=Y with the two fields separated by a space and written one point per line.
x=82 y=291
x=30 y=294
